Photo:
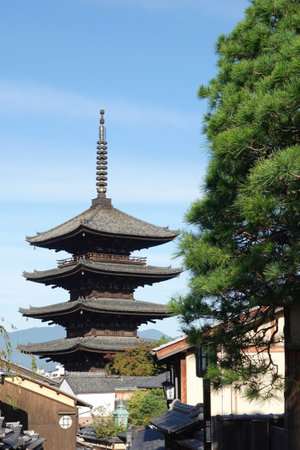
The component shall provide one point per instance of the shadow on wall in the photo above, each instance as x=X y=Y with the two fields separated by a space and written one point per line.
x=14 y=414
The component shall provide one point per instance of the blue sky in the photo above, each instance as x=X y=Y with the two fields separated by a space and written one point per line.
x=61 y=61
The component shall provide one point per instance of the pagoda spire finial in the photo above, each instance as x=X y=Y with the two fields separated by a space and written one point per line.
x=101 y=159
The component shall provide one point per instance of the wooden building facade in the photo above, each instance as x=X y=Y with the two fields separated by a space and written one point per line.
x=42 y=407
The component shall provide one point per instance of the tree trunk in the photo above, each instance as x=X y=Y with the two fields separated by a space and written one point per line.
x=292 y=374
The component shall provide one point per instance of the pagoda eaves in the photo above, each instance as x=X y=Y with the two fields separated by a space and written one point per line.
x=79 y=352
x=101 y=305
x=90 y=343
x=121 y=314
x=94 y=229
x=89 y=276
x=124 y=270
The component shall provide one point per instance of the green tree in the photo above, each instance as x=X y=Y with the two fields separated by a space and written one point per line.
x=143 y=405
x=6 y=350
x=243 y=252
x=133 y=362
x=104 y=423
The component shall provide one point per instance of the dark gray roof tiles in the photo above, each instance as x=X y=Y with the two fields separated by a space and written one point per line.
x=107 y=268
x=153 y=382
x=178 y=418
x=88 y=434
x=98 y=382
x=105 y=219
x=13 y=436
x=148 y=438
x=89 y=343
x=105 y=305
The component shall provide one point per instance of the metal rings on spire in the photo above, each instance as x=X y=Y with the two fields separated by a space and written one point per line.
x=101 y=159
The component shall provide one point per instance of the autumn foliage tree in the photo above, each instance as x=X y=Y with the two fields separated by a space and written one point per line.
x=243 y=250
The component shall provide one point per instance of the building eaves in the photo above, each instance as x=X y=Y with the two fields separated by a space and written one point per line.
x=105 y=268
x=171 y=348
x=88 y=343
x=105 y=305
x=27 y=374
x=107 y=220
x=18 y=370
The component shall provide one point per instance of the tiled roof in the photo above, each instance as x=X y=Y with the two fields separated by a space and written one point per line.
x=179 y=418
x=153 y=382
x=149 y=439
x=99 y=305
x=89 y=343
x=105 y=219
x=106 y=268
x=15 y=370
x=98 y=382
x=88 y=434
x=13 y=436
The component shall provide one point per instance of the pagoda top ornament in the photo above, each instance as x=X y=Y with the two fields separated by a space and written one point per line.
x=101 y=173
x=96 y=228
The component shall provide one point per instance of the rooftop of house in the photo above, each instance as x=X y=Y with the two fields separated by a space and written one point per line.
x=13 y=436
x=180 y=344
x=20 y=375
x=88 y=435
x=149 y=439
x=99 y=382
x=16 y=369
x=179 y=418
x=180 y=427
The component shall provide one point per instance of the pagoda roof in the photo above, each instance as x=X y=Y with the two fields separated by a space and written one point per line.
x=99 y=305
x=103 y=219
x=143 y=271
x=94 y=344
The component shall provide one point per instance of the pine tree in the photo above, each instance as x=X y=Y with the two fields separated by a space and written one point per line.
x=243 y=252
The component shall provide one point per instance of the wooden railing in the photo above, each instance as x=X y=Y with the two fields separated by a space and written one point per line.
x=102 y=257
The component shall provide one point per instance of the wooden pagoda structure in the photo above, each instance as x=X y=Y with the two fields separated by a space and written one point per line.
x=102 y=315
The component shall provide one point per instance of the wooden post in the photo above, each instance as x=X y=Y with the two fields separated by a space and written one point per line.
x=183 y=387
x=207 y=414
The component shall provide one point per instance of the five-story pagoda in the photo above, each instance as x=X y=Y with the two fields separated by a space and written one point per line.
x=102 y=315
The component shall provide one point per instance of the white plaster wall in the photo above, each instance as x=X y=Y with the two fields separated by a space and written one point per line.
x=232 y=401
x=194 y=384
x=229 y=400
x=281 y=325
x=105 y=400
x=274 y=405
x=65 y=387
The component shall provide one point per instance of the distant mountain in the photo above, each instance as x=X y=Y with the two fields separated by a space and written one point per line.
x=43 y=334
x=32 y=335
x=151 y=334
